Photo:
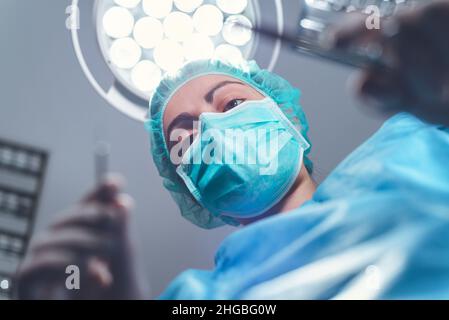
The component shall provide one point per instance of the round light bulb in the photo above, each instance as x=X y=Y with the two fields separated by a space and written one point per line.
x=118 y=22
x=130 y=4
x=157 y=8
x=125 y=53
x=148 y=32
x=146 y=76
x=4 y=284
x=198 y=46
x=228 y=53
x=178 y=26
x=232 y=6
x=233 y=31
x=168 y=55
x=208 y=20
x=188 y=5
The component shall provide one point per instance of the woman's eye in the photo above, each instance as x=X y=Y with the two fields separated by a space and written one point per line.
x=232 y=104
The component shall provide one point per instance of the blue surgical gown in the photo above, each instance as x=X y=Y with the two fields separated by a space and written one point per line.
x=376 y=228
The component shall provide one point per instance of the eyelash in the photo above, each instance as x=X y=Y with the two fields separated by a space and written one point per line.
x=229 y=105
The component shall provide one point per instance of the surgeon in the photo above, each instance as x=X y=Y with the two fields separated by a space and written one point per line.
x=376 y=228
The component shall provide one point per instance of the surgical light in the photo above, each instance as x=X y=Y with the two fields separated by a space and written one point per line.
x=118 y=22
x=198 y=46
x=234 y=32
x=142 y=40
x=125 y=53
x=178 y=26
x=146 y=75
x=157 y=8
x=148 y=32
x=169 y=55
x=228 y=53
x=232 y=6
x=188 y=5
x=208 y=20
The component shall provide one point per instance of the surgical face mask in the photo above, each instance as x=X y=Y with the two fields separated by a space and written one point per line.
x=243 y=161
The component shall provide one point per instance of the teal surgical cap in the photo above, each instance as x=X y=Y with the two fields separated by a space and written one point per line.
x=264 y=81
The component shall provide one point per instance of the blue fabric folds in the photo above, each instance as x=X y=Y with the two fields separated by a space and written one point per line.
x=376 y=228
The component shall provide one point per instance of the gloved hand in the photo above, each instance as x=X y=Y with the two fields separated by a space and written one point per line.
x=416 y=45
x=94 y=237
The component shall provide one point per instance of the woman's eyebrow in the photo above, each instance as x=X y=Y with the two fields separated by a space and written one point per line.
x=209 y=97
x=185 y=116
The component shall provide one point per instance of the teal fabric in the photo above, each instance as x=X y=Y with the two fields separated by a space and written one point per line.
x=267 y=83
x=243 y=161
x=376 y=228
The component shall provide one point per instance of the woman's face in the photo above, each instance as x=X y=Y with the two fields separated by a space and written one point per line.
x=210 y=93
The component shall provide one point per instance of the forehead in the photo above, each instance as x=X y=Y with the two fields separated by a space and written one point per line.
x=197 y=87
